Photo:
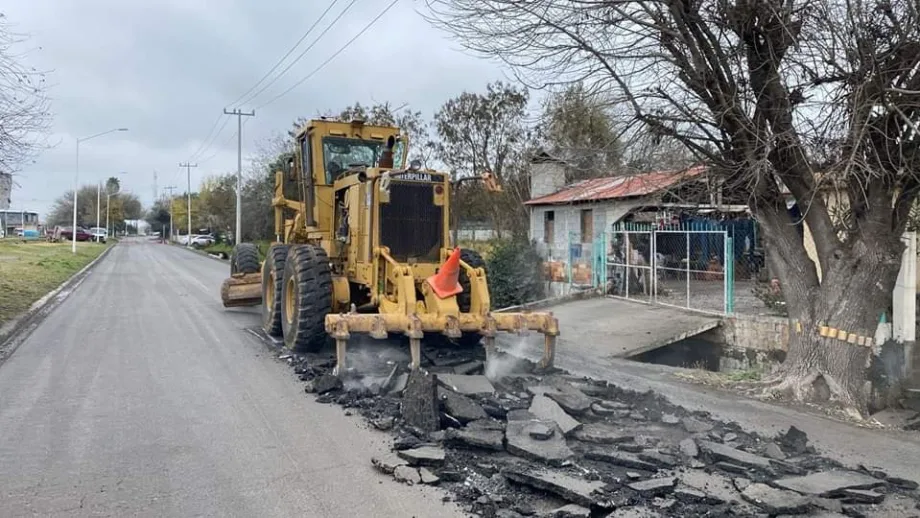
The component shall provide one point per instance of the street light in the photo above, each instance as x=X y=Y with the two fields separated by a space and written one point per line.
x=76 y=184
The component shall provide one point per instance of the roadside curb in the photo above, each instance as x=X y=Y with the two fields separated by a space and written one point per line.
x=552 y=301
x=15 y=332
x=201 y=253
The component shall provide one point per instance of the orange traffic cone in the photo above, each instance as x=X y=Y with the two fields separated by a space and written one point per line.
x=446 y=282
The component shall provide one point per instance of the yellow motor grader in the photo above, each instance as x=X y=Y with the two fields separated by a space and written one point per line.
x=362 y=246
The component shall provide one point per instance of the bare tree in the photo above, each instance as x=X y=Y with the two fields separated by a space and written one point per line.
x=811 y=101
x=25 y=116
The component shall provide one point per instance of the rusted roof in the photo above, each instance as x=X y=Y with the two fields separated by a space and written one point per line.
x=614 y=187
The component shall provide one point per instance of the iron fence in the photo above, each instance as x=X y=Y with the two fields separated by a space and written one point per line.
x=679 y=265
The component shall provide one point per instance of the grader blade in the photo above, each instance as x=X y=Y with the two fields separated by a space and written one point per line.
x=341 y=326
x=242 y=289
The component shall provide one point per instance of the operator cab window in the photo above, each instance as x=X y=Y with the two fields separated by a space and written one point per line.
x=340 y=153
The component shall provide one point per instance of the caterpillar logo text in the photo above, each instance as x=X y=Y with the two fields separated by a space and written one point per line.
x=417 y=177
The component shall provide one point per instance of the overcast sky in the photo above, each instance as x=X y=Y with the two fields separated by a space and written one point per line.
x=167 y=69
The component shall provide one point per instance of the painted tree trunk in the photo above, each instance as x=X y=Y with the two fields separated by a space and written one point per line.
x=834 y=319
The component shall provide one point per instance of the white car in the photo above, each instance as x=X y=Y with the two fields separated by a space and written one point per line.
x=99 y=234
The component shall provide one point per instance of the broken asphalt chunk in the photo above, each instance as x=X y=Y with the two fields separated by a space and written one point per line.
x=387 y=463
x=571 y=489
x=829 y=483
x=734 y=455
x=619 y=458
x=420 y=402
x=423 y=456
x=654 y=486
x=670 y=419
x=659 y=459
x=862 y=496
x=428 y=477
x=471 y=367
x=541 y=432
x=475 y=385
x=774 y=452
x=570 y=511
x=546 y=409
x=902 y=483
x=476 y=438
x=407 y=475
x=326 y=383
x=384 y=423
x=571 y=400
x=689 y=448
x=775 y=501
x=794 y=440
x=519 y=442
x=601 y=434
x=460 y=407
x=695 y=425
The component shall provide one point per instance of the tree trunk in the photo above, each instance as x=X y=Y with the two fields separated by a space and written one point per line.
x=832 y=330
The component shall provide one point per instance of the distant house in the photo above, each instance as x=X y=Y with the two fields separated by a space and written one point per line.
x=14 y=221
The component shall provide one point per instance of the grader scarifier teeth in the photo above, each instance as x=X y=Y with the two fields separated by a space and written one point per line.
x=341 y=326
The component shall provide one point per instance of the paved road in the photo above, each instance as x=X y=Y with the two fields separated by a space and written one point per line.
x=142 y=396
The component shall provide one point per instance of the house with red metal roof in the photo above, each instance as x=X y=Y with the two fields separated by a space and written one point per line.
x=567 y=219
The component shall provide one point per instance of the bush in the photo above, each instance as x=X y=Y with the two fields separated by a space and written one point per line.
x=515 y=273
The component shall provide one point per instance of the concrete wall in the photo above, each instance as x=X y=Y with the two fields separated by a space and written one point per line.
x=568 y=220
x=546 y=177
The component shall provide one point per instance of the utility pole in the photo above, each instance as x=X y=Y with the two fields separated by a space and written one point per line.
x=170 y=188
x=155 y=193
x=188 y=177
x=239 y=166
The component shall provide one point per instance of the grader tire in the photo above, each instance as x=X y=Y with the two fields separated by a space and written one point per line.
x=244 y=258
x=307 y=298
x=464 y=299
x=272 y=288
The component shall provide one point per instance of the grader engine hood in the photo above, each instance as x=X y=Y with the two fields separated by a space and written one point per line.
x=412 y=216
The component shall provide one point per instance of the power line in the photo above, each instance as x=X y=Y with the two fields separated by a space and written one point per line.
x=324 y=63
x=301 y=55
x=289 y=52
x=188 y=171
x=221 y=145
x=202 y=146
x=207 y=145
x=239 y=165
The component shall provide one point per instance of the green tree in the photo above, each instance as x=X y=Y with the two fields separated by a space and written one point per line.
x=515 y=273
x=158 y=215
x=480 y=132
x=218 y=202
x=579 y=129
x=62 y=209
x=410 y=122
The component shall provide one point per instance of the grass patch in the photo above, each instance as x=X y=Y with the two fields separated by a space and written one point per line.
x=30 y=270
x=722 y=379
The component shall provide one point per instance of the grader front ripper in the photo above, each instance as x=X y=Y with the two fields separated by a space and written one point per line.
x=362 y=246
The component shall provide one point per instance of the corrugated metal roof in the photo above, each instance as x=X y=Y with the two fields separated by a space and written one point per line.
x=614 y=187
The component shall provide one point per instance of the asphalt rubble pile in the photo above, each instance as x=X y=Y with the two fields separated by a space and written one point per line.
x=527 y=443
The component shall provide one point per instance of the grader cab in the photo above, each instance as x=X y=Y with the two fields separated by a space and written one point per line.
x=362 y=246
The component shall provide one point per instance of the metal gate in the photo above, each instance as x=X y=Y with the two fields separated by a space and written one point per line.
x=689 y=269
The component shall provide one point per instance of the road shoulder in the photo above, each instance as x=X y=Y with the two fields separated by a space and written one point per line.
x=15 y=331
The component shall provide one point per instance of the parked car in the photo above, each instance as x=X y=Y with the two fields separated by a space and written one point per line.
x=67 y=234
x=202 y=240
x=99 y=234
